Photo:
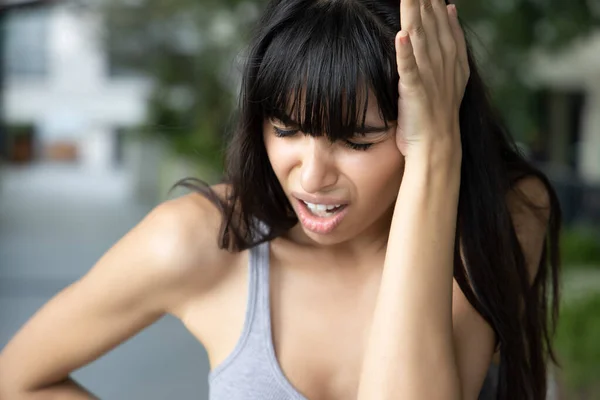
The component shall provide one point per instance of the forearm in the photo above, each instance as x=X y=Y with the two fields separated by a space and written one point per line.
x=410 y=344
x=66 y=390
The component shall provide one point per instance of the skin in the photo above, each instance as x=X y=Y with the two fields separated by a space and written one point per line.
x=367 y=180
x=389 y=314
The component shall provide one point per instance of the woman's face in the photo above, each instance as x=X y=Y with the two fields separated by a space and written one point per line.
x=362 y=176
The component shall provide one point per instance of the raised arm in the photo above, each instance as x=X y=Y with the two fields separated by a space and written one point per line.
x=149 y=272
x=426 y=340
x=411 y=339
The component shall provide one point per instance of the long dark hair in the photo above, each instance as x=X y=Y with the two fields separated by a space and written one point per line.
x=333 y=52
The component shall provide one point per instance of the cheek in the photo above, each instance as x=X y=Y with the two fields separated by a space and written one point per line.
x=378 y=176
x=280 y=155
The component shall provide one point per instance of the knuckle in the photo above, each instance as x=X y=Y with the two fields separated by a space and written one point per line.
x=417 y=31
x=406 y=57
x=435 y=56
x=450 y=47
x=427 y=7
x=438 y=4
x=408 y=69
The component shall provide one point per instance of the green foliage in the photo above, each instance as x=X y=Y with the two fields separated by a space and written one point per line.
x=188 y=49
x=580 y=246
x=181 y=44
x=578 y=346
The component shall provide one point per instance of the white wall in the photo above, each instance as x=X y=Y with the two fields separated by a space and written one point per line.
x=77 y=100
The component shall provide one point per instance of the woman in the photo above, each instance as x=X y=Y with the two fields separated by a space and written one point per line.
x=378 y=235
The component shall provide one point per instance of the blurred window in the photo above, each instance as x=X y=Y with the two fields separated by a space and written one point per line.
x=26 y=42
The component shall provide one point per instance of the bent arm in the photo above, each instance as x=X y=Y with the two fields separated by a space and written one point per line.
x=411 y=338
x=427 y=341
x=145 y=275
x=66 y=390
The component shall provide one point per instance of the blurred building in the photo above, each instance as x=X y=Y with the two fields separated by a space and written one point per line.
x=61 y=94
x=569 y=82
x=61 y=101
x=64 y=100
x=569 y=90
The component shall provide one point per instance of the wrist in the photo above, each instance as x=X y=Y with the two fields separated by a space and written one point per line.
x=440 y=160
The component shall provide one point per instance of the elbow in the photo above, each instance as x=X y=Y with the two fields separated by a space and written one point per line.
x=6 y=390
x=9 y=383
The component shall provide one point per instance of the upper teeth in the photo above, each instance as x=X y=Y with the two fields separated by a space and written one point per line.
x=321 y=207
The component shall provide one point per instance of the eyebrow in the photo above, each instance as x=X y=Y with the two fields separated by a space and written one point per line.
x=366 y=129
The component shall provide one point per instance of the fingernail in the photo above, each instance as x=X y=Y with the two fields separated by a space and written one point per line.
x=403 y=37
x=453 y=10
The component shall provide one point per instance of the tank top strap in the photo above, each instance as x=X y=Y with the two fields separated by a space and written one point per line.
x=253 y=333
x=260 y=265
x=256 y=324
x=257 y=330
x=251 y=371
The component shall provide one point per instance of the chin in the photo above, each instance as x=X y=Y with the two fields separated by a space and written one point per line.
x=329 y=239
x=337 y=236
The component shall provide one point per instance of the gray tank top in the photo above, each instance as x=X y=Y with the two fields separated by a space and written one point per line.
x=251 y=371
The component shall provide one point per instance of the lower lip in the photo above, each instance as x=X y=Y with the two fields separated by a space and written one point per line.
x=320 y=225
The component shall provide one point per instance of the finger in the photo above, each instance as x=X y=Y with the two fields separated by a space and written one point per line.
x=410 y=77
x=430 y=25
x=444 y=31
x=410 y=22
x=459 y=39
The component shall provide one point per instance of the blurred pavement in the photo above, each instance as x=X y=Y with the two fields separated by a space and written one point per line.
x=54 y=224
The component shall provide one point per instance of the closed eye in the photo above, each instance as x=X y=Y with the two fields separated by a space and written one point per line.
x=282 y=133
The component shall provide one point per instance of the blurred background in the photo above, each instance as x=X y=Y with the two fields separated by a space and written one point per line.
x=104 y=104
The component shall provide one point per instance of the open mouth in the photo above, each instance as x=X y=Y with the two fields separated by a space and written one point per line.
x=323 y=211
x=321 y=218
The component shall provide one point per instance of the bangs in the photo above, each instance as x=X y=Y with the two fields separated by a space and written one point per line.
x=323 y=66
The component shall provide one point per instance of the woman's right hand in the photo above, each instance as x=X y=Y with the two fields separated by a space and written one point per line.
x=151 y=271
x=433 y=69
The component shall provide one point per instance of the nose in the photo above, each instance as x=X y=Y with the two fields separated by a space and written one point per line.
x=318 y=168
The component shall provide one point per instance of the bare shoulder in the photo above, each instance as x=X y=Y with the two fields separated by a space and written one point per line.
x=529 y=195
x=528 y=202
x=530 y=209
x=182 y=238
x=168 y=258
